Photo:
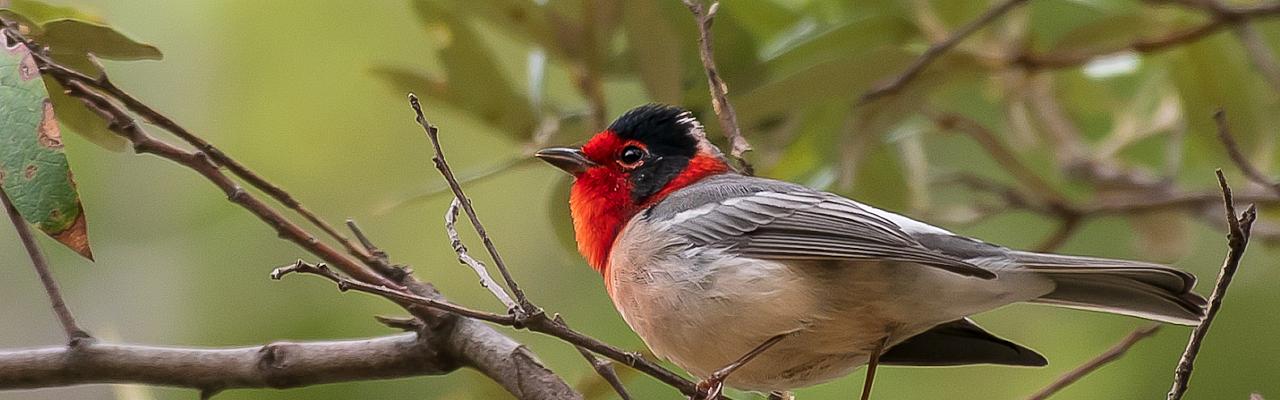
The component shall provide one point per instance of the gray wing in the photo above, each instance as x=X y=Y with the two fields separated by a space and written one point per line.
x=782 y=221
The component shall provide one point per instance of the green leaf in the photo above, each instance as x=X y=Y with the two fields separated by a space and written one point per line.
x=33 y=168
x=75 y=116
x=40 y=12
x=71 y=41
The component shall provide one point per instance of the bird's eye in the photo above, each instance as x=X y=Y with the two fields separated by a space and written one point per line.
x=631 y=156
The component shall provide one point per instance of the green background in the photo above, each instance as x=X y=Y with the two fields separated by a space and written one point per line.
x=287 y=88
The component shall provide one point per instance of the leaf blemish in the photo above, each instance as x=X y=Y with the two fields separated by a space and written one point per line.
x=50 y=135
x=27 y=69
x=30 y=171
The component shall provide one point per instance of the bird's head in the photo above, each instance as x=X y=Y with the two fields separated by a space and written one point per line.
x=646 y=154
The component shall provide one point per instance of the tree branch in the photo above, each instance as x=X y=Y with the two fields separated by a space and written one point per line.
x=719 y=90
x=526 y=307
x=937 y=50
x=1227 y=18
x=1237 y=240
x=1238 y=157
x=275 y=365
x=75 y=335
x=1114 y=353
x=470 y=342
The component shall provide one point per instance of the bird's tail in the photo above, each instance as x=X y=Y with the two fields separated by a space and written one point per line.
x=1143 y=290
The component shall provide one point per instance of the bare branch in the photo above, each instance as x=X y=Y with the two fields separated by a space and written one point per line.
x=215 y=155
x=473 y=343
x=602 y=367
x=1238 y=157
x=936 y=50
x=1114 y=353
x=526 y=307
x=75 y=335
x=345 y=284
x=1237 y=241
x=275 y=365
x=486 y=281
x=738 y=144
x=1004 y=156
x=1228 y=17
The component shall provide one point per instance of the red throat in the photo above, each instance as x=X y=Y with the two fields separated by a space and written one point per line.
x=601 y=198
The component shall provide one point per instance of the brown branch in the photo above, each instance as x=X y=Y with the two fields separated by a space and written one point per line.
x=937 y=50
x=602 y=367
x=1227 y=18
x=1238 y=157
x=104 y=84
x=1114 y=353
x=399 y=296
x=526 y=307
x=469 y=341
x=275 y=365
x=1238 y=229
x=538 y=323
x=725 y=113
x=1004 y=156
x=75 y=335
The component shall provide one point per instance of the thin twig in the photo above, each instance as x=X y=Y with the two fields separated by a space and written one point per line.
x=486 y=281
x=530 y=316
x=1075 y=58
x=1238 y=157
x=1004 y=156
x=525 y=307
x=383 y=263
x=104 y=84
x=936 y=50
x=738 y=144
x=603 y=368
x=1114 y=353
x=1260 y=55
x=345 y=284
x=74 y=334
x=1237 y=241
x=538 y=323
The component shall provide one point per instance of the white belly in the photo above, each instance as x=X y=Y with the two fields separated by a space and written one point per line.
x=702 y=310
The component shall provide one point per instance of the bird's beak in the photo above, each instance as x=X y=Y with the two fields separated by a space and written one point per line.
x=568 y=159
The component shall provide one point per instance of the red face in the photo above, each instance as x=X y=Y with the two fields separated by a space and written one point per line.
x=645 y=155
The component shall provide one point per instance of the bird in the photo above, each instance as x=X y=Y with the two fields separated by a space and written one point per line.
x=707 y=265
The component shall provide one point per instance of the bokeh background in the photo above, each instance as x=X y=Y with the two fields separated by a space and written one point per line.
x=312 y=95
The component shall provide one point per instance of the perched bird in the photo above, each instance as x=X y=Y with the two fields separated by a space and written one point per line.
x=706 y=264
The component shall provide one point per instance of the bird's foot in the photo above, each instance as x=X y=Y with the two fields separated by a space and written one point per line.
x=709 y=388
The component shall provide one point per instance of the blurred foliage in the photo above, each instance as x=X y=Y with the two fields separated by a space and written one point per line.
x=312 y=96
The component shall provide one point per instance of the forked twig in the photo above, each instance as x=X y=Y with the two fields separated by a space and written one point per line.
x=1238 y=157
x=719 y=90
x=1237 y=241
x=486 y=281
x=525 y=308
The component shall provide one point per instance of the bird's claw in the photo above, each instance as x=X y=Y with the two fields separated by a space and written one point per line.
x=708 y=389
